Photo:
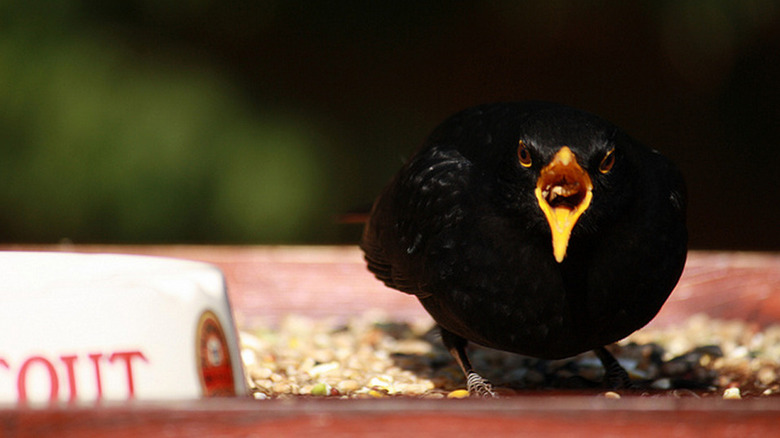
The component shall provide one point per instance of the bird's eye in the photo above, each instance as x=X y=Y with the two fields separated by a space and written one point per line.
x=608 y=161
x=524 y=155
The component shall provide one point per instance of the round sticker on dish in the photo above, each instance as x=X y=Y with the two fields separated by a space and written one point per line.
x=214 y=367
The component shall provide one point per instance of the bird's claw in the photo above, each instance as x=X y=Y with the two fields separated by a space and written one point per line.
x=616 y=377
x=479 y=386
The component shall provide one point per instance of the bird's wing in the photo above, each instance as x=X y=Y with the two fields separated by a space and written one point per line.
x=408 y=219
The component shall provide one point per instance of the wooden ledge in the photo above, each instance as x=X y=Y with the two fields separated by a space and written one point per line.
x=533 y=415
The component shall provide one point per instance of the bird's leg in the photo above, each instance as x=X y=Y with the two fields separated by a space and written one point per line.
x=614 y=375
x=476 y=384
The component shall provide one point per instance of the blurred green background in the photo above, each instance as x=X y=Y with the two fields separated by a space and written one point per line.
x=160 y=121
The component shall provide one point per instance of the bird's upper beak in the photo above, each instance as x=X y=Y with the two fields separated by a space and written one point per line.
x=564 y=191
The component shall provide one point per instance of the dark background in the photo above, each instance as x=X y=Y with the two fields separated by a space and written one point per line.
x=157 y=121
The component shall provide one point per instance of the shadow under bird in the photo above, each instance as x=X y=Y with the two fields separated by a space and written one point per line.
x=533 y=228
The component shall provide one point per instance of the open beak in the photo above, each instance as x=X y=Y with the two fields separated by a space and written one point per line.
x=564 y=192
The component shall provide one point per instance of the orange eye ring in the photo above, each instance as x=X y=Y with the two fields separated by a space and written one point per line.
x=607 y=162
x=524 y=155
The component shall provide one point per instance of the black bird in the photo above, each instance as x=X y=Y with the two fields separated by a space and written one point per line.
x=533 y=228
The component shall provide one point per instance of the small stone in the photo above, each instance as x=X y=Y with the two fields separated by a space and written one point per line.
x=458 y=393
x=611 y=394
x=637 y=374
x=383 y=382
x=663 y=383
x=260 y=373
x=281 y=388
x=413 y=346
x=346 y=386
x=732 y=394
x=323 y=368
x=766 y=375
x=416 y=388
x=740 y=352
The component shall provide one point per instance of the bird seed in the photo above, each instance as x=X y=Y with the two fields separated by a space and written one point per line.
x=375 y=357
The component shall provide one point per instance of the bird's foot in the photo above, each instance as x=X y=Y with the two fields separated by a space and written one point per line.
x=615 y=376
x=479 y=386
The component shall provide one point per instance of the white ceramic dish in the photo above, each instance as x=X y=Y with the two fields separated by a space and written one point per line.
x=93 y=327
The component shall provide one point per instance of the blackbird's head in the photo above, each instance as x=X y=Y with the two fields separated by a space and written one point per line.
x=575 y=163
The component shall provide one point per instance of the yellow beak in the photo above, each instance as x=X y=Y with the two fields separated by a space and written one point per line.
x=564 y=191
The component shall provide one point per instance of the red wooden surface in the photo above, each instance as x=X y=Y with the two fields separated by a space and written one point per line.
x=533 y=416
x=265 y=283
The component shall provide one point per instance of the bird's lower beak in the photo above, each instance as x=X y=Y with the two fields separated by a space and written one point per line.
x=564 y=191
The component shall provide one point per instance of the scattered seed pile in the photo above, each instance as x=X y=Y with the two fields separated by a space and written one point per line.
x=372 y=356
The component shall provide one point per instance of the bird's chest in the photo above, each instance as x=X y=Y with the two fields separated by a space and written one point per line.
x=515 y=297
